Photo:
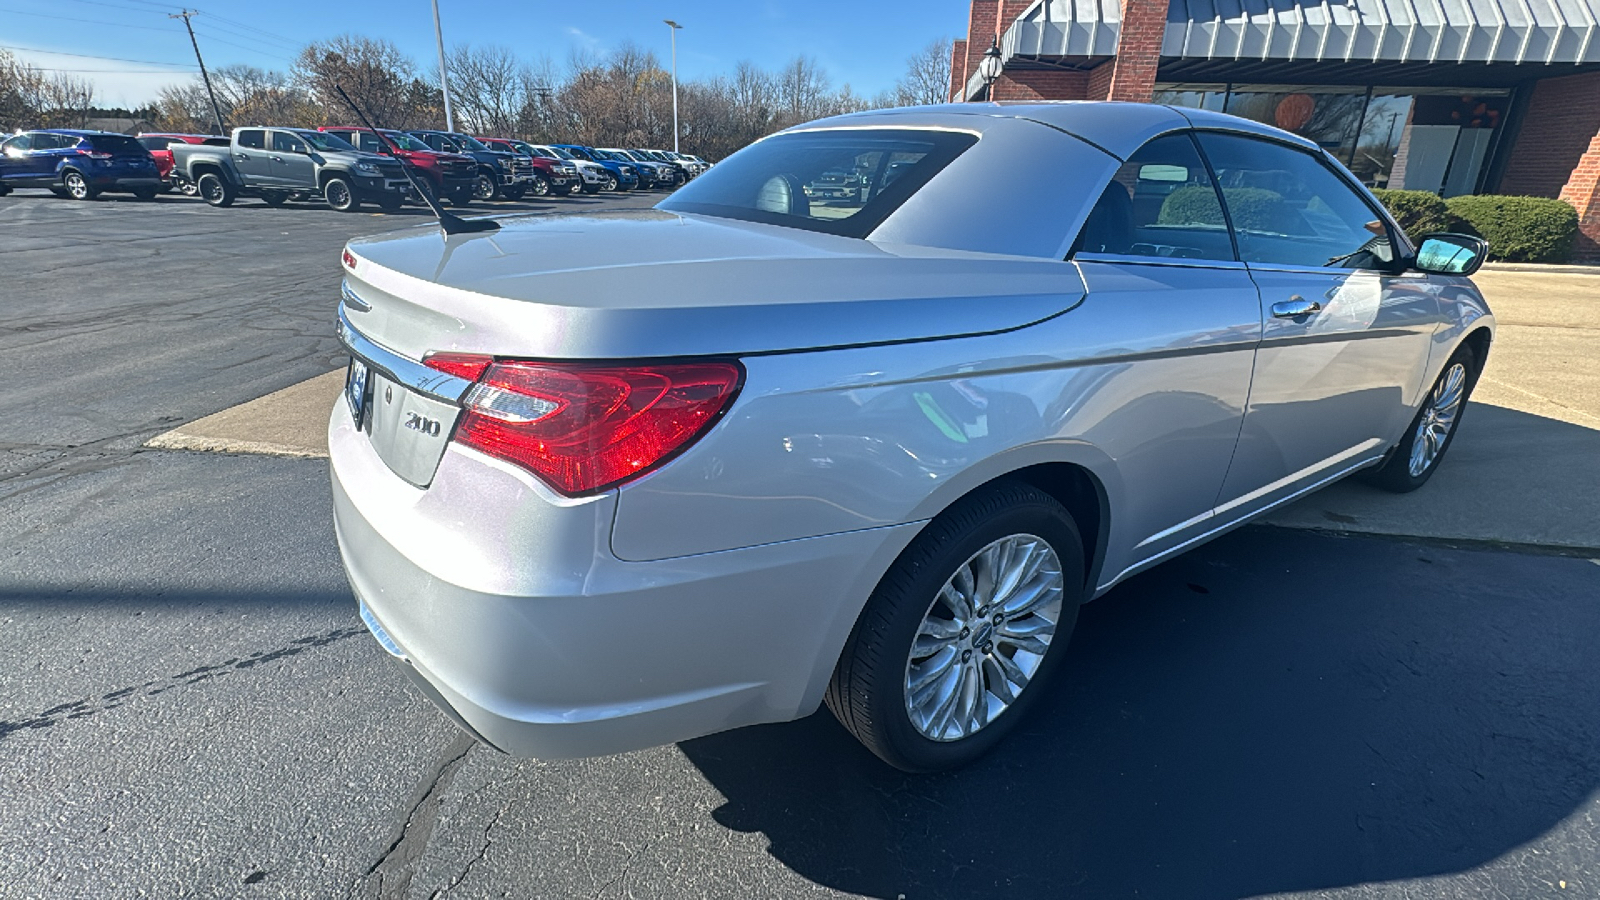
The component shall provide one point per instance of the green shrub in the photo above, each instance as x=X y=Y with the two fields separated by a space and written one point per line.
x=1520 y=229
x=1418 y=212
x=1253 y=209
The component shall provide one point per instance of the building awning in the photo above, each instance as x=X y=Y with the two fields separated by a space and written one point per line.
x=1548 y=32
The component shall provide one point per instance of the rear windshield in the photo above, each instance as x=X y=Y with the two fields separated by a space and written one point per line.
x=842 y=181
x=116 y=143
x=469 y=142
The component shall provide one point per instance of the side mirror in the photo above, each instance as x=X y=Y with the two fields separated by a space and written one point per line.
x=1451 y=254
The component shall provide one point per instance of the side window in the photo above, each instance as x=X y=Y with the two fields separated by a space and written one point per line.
x=46 y=141
x=18 y=145
x=255 y=140
x=284 y=142
x=155 y=143
x=1289 y=208
x=1160 y=203
x=369 y=142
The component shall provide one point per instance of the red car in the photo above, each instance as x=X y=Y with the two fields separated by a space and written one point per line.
x=451 y=175
x=555 y=176
x=157 y=144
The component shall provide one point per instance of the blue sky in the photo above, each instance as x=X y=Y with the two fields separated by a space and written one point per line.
x=130 y=48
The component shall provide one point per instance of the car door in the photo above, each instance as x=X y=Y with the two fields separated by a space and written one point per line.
x=292 y=165
x=1166 y=290
x=21 y=166
x=251 y=159
x=1345 y=334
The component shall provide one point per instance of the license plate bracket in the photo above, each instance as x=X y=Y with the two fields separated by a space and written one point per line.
x=357 y=391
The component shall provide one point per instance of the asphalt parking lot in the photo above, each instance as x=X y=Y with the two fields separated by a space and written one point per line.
x=190 y=707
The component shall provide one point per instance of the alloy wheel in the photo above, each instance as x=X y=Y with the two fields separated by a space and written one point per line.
x=77 y=186
x=983 y=637
x=338 y=195
x=1438 y=419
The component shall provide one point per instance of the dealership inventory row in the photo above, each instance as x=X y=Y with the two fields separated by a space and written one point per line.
x=345 y=166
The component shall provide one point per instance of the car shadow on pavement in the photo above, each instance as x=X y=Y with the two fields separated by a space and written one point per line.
x=1277 y=711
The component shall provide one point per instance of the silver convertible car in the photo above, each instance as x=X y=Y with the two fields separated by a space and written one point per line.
x=840 y=422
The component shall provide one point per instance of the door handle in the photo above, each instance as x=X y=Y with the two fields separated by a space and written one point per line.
x=241 y=156
x=276 y=158
x=1295 y=307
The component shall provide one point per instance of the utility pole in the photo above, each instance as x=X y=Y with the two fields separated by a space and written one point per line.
x=215 y=109
x=675 y=29
x=444 y=80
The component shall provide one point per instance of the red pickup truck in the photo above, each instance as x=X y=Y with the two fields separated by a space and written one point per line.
x=451 y=175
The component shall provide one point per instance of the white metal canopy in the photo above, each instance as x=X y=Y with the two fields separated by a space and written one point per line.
x=1545 y=32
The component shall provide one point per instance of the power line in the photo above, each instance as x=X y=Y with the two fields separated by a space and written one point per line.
x=210 y=36
x=148 y=62
x=82 y=21
x=115 y=71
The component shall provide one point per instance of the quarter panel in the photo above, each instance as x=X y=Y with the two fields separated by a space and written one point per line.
x=1144 y=382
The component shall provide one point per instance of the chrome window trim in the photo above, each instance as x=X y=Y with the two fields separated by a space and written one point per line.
x=400 y=369
x=1127 y=259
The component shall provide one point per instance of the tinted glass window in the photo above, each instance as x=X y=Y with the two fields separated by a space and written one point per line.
x=1289 y=208
x=841 y=181
x=155 y=143
x=287 y=143
x=1160 y=203
x=255 y=140
x=18 y=144
x=120 y=144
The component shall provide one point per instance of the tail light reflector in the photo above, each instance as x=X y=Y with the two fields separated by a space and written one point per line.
x=98 y=154
x=586 y=428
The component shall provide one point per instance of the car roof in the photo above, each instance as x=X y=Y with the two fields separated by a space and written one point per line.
x=1115 y=127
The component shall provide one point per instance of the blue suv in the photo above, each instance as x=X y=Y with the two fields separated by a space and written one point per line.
x=627 y=176
x=78 y=164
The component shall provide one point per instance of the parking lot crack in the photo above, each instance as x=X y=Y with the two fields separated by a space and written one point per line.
x=390 y=875
x=89 y=706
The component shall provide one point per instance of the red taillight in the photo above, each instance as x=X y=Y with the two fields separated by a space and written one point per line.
x=585 y=428
x=462 y=365
x=98 y=154
x=349 y=259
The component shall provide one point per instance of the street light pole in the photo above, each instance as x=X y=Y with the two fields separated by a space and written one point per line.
x=444 y=80
x=675 y=28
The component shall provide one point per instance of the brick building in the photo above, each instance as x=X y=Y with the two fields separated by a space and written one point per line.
x=1449 y=96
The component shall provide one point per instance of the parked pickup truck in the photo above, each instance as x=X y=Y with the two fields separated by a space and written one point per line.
x=277 y=164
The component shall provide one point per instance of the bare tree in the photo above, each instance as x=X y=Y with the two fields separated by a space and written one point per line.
x=927 y=77
x=486 y=86
x=377 y=76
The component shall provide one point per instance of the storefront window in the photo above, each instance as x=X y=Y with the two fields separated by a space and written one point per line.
x=1425 y=139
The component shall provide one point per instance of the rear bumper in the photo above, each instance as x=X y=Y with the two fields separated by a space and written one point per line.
x=125 y=183
x=507 y=602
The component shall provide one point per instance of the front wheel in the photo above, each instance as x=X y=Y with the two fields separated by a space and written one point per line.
x=540 y=186
x=611 y=183
x=956 y=641
x=340 y=196
x=487 y=187
x=1417 y=456
x=78 y=187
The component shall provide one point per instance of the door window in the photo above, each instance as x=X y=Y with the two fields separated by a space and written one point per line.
x=46 y=141
x=1160 y=203
x=255 y=140
x=283 y=142
x=17 y=145
x=1289 y=208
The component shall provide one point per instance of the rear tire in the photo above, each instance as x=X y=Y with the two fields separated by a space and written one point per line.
x=1432 y=430
x=911 y=629
x=77 y=186
x=340 y=196
x=215 y=190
